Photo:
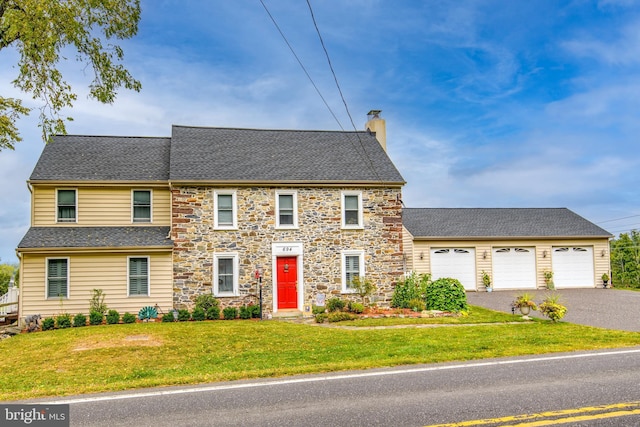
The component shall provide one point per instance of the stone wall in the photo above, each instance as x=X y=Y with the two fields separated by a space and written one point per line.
x=319 y=231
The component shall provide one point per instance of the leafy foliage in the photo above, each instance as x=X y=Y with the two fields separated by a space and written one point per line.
x=40 y=30
x=63 y=321
x=340 y=316
x=205 y=301
x=411 y=288
x=48 y=324
x=363 y=287
x=356 y=307
x=95 y=318
x=230 y=313
x=335 y=304
x=552 y=309
x=168 y=317
x=128 y=318
x=79 y=320
x=96 y=303
x=198 y=314
x=625 y=260
x=524 y=300
x=446 y=294
x=417 y=304
x=113 y=317
x=183 y=315
x=6 y=272
x=213 y=313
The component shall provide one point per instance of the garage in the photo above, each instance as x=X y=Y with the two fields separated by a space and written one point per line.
x=573 y=267
x=514 y=268
x=456 y=263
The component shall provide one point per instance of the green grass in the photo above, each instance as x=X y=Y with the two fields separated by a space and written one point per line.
x=119 y=357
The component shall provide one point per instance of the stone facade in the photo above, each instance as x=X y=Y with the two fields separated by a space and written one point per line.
x=319 y=241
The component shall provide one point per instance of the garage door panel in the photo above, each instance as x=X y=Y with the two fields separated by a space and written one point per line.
x=514 y=268
x=573 y=267
x=456 y=263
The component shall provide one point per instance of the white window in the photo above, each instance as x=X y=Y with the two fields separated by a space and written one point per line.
x=66 y=205
x=352 y=209
x=141 y=206
x=57 y=278
x=138 y=276
x=286 y=209
x=225 y=210
x=352 y=267
x=225 y=274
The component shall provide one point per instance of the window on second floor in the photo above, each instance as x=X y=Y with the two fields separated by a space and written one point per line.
x=286 y=209
x=141 y=205
x=66 y=206
x=225 y=210
x=58 y=278
x=352 y=209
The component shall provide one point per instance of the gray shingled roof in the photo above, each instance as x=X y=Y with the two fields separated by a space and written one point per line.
x=95 y=237
x=248 y=155
x=104 y=158
x=498 y=222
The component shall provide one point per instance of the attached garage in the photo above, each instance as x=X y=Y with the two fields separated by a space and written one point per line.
x=456 y=263
x=573 y=267
x=514 y=268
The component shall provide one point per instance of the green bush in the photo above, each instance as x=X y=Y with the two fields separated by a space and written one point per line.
x=356 y=307
x=63 y=321
x=183 y=315
x=335 y=304
x=79 y=320
x=95 y=318
x=198 y=314
x=230 y=313
x=213 y=313
x=48 y=324
x=316 y=309
x=417 y=304
x=446 y=294
x=205 y=301
x=168 y=317
x=255 y=311
x=113 y=317
x=410 y=288
x=552 y=309
x=339 y=316
x=128 y=318
x=321 y=317
x=246 y=312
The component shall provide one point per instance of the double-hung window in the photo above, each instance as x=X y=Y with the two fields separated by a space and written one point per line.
x=141 y=205
x=138 y=274
x=58 y=278
x=66 y=205
x=225 y=274
x=352 y=209
x=286 y=209
x=352 y=267
x=225 y=210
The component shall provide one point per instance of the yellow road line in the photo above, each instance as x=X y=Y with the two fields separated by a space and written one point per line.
x=550 y=414
x=580 y=418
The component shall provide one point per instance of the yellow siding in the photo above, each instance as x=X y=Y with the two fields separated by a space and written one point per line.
x=407 y=244
x=95 y=271
x=543 y=260
x=100 y=206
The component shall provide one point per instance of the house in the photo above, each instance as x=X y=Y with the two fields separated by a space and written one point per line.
x=159 y=221
x=515 y=247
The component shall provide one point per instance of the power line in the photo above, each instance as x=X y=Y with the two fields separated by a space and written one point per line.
x=617 y=219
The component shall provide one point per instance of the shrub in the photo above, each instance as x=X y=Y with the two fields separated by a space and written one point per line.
x=205 y=301
x=183 y=315
x=339 y=316
x=96 y=303
x=168 y=317
x=245 y=312
x=63 y=321
x=363 y=287
x=412 y=287
x=335 y=304
x=316 y=309
x=198 y=314
x=230 y=313
x=552 y=309
x=128 y=318
x=417 y=304
x=79 y=320
x=446 y=294
x=356 y=307
x=213 y=313
x=255 y=311
x=48 y=324
x=321 y=317
x=95 y=318
x=113 y=317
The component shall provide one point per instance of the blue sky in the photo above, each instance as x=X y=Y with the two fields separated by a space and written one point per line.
x=490 y=103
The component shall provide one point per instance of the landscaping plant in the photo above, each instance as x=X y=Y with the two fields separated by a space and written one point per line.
x=113 y=317
x=552 y=309
x=230 y=313
x=96 y=303
x=48 y=324
x=128 y=318
x=198 y=314
x=335 y=304
x=183 y=315
x=63 y=321
x=95 y=318
x=213 y=313
x=410 y=288
x=79 y=320
x=446 y=294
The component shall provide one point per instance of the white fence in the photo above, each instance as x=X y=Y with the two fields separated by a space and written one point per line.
x=9 y=302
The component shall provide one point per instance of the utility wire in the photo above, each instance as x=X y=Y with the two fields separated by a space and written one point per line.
x=617 y=219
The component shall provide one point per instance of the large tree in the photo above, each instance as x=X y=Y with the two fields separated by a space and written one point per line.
x=625 y=260
x=42 y=32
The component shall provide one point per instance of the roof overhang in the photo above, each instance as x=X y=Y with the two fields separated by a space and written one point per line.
x=228 y=183
x=101 y=249
x=97 y=183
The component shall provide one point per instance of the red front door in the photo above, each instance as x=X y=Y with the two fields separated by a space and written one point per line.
x=287 y=282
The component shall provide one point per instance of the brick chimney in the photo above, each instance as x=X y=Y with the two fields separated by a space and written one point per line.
x=378 y=126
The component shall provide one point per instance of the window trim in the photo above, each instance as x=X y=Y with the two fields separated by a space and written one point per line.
x=343 y=197
x=295 y=209
x=46 y=276
x=61 y=220
x=129 y=294
x=234 y=210
x=133 y=219
x=236 y=273
x=361 y=266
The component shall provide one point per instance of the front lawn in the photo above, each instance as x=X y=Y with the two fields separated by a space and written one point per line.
x=119 y=357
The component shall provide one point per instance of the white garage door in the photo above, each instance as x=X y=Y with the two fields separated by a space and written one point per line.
x=456 y=263
x=573 y=267
x=514 y=268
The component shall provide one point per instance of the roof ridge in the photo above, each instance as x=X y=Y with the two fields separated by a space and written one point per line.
x=269 y=130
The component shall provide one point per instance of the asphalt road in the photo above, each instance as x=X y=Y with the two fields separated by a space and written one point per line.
x=407 y=396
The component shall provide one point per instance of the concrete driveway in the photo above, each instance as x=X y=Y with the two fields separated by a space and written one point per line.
x=603 y=308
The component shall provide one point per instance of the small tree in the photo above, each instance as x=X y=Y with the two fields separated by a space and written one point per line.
x=96 y=303
x=363 y=287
